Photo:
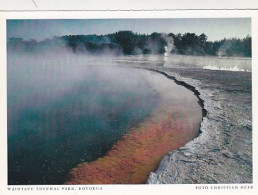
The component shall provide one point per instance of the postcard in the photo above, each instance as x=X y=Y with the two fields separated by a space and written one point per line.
x=128 y=102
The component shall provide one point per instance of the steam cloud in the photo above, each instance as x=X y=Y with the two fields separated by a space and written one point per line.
x=168 y=48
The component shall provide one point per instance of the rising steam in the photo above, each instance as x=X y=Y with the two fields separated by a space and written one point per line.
x=168 y=48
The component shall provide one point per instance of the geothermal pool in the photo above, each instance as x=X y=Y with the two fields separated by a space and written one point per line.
x=65 y=116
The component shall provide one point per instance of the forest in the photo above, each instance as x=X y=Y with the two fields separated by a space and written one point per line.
x=130 y=43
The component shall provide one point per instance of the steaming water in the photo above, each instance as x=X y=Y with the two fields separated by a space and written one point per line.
x=202 y=62
x=62 y=114
x=168 y=48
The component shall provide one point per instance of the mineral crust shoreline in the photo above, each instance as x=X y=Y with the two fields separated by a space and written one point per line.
x=222 y=153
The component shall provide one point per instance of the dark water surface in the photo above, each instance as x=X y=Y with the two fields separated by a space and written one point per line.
x=59 y=116
x=62 y=114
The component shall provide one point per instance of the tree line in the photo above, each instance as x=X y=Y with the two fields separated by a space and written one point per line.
x=130 y=43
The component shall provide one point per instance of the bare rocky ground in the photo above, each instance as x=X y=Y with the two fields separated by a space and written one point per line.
x=222 y=153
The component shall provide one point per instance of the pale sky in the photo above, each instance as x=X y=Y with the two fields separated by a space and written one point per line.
x=214 y=28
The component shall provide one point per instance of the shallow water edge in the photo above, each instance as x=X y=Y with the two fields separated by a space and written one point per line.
x=85 y=174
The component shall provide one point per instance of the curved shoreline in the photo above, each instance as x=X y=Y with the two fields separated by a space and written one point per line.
x=164 y=130
x=188 y=86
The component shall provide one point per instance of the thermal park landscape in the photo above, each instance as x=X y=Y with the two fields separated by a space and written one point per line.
x=100 y=110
